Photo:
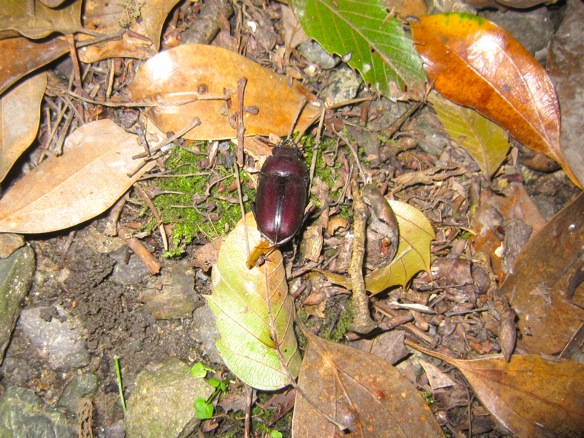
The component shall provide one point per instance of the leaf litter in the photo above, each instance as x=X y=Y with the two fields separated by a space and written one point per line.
x=439 y=173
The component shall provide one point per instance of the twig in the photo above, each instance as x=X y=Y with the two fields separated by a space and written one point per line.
x=362 y=323
x=240 y=123
x=140 y=250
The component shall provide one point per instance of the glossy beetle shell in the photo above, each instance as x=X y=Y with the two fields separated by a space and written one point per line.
x=281 y=195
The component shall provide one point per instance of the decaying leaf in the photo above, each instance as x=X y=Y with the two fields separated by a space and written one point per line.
x=413 y=252
x=360 y=391
x=538 y=288
x=475 y=63
x=374 y=42
x=19 y=119
x=33 y=19
x=26 y=56
x=529 y=395
x=64 y=191
x=207 y=76
x=250 y=306
x=485 y=141
x=143 y=18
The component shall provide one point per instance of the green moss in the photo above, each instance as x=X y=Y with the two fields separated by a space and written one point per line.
x=344 y=321
x=184 y=205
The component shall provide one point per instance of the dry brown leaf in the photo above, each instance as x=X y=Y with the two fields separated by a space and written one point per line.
x=360 y=391
x=143 y=19
x=494 y=212
x=194 y=71
x=84 y=182
x=475 y=63
x=26 y=55
x=529 y=395
x=33 y=19
x=537 y=289
x=19 y=119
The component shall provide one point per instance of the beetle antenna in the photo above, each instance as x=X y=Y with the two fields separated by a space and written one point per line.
x=297 y=116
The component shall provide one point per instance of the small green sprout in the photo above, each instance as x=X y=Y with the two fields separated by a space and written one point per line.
x=205 y=408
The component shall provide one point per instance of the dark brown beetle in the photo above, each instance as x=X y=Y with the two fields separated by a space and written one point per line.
x=281 y=195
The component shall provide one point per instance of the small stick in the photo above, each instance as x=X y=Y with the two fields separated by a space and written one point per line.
x=153 y=265
x=240 y=125
x=362 y=323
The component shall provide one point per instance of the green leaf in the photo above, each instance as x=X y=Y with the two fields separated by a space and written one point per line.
x=413 y=252
x=249 y=306
x=379 y=48
x=204 y=409
x=484 y=140
x=200 y=370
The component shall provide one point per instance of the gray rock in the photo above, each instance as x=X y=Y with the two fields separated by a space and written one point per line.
x=16 y=274
x=82 y=385
x=24 y=415
x=343 y=85
x=131 y=273
x=172 y=294
x=204 y=322
x=314 y=52
x=161 y=405
x=57 y=335
x=533 y=29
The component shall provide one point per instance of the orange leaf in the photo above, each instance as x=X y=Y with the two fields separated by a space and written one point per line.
x=194 y=71
x=475 y=63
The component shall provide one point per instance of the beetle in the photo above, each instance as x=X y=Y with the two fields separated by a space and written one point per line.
x=281 y=194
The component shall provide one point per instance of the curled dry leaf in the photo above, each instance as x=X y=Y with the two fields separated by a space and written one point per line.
x=35 y=20
x=485 y=141
x=206 y=77
x=537 y=288
x=360 y=391
x=529 y=395
x=26 y=55
x=143 y=19
x=413 y=252
x=19 y=119
x=64 y=191
x=250 y=307
x=475 y=63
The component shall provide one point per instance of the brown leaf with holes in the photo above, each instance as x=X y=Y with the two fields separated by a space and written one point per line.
x=531 y=396
x=475 y=63
x=207 y=77
x=538 y=288
x=144 y=21
x=360 y=391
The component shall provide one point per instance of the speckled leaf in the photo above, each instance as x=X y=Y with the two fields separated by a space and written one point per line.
x=210 y=75
x=484 y=140
x=376 y=42
x=359 y=390
x=64 y=191
x=248 y=304
x=413 y=252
